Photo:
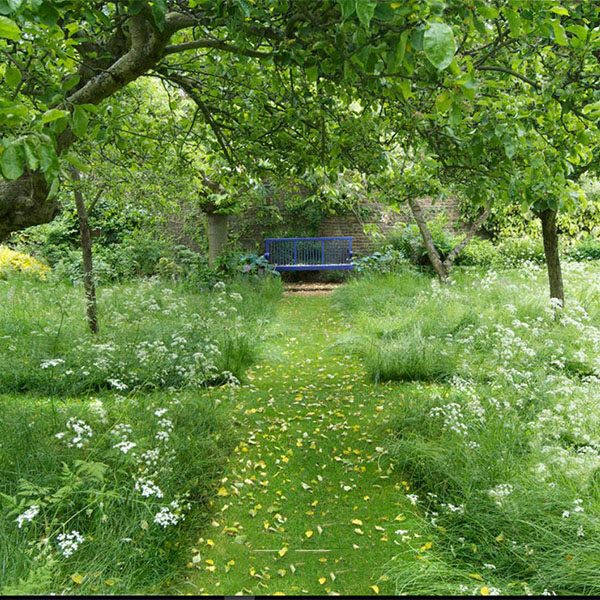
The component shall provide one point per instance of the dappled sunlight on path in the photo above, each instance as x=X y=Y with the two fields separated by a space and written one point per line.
x=305 y=506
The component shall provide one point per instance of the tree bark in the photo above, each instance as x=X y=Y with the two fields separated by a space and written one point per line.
x=552 y=254
x=24 y=202
x=217 y=236
x=443 y=268
x=432 y=252
x=86 y=251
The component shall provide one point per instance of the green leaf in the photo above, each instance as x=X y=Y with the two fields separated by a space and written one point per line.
x=13 y=76
x=443 y=102
x=30 y=157
x=48 y=159
x=509 y=148
x=74 y=160
x=405 y=88
x=592 y=109
x=12 y=162
x=80 y=121
x=54 y=114
x=53 y=188
x=514 y=22
x=312 y=73
x=439 y=45
x=9 y=29
x=559 y=33
x=159 y=10
x=559 y=10
x=70 y=82
x=396 y=55
x=365 y=9
x=348 y=8
x=580 y=31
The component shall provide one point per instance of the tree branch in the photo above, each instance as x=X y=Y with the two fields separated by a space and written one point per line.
x=449 y=261
x=217 y=45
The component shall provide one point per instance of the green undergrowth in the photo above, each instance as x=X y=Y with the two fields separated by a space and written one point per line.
x=498 y=430
x=103 y=495
x=152 y=335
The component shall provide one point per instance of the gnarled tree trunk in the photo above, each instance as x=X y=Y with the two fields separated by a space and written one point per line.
x=443 y=267
x=432 y=253
x=24 y=202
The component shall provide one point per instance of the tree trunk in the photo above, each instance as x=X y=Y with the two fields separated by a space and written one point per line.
x=24 y=202
x=550 y=236
x=86 y=250
x=217 y=236
x=434 y=255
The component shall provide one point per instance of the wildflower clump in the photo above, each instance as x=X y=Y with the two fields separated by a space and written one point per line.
x=152 y=336
x=110 y=489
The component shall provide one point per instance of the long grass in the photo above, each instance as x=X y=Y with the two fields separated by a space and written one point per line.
x=503 y=450
x=152 y=335
x=92 y=490
x=107 y=440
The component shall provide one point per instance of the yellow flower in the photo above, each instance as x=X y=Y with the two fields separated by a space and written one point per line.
x=11 y=261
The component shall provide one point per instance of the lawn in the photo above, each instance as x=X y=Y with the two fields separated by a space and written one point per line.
x=396 y=437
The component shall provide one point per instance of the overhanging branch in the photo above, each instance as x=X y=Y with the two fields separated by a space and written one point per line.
x=217 y=45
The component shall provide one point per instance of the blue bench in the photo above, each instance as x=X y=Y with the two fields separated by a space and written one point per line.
x=309 y=253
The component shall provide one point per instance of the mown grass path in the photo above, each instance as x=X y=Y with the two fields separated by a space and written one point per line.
x=304 y=507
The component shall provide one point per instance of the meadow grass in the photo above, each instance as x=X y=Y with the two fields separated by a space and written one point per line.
x=97 y=490
x=503 y=452
x=110 y=450
x=152 y=335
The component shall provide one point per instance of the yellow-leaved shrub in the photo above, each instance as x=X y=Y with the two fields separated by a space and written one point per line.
x=12 y=261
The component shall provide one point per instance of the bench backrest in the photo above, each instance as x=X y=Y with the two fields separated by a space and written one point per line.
x=309 y=253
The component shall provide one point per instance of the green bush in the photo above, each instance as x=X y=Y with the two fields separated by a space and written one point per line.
x=152 y=335
x=480 y=253
x=128 y=480
x=515 y=251
x=408 y=241
x=588 y=248
x=390 y=260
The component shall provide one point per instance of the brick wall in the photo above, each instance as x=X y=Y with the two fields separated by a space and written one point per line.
x=384 y=219
x=274 y=220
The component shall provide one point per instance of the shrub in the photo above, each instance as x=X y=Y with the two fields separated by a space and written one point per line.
x=257 y=266
x=104 y=496
x=478 y=252
x=17 y=262
x=515 y=251
x=587 y=248
x=407 y=239
x=390 y=260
